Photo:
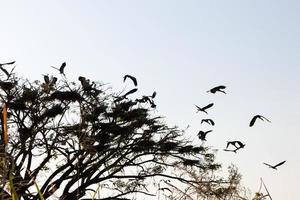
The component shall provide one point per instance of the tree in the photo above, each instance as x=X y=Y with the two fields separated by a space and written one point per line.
x=71 y=137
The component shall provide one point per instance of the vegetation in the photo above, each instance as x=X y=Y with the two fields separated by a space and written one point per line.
x=68 y=138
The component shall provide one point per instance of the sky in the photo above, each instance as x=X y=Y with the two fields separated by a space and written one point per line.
x=180 y=49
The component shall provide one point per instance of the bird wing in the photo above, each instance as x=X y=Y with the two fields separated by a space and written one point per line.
x=220 y=87
x=208 y=106
x=281 y=163
x=265 y=118
x=253 y=120
x=268 y=165
x=130 y=92
x=211 y=122
x=132 y=78
x=239 y=143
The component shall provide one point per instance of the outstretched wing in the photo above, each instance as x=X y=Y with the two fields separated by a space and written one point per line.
x=208 y=106
x=268 y=165
x=281 y=163
x=253 y=120
x=265 y=119
x=211 y=122
x=220 y=87
x=132 y=78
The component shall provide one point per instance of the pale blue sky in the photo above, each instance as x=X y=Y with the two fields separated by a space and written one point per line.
x=181 y=49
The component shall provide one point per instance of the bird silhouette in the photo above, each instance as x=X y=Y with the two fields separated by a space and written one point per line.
x=203 y=109
x=131 y=77
x=61 y=69
x=253 y=120
x=208 y=121
x=219 y=88
x=46 y=79
x=235 y=143
x=275 y=166
x=202 y=135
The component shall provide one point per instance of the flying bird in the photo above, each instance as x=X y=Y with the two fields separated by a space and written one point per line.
x=202 y=135
x=219 y=88
x=257 y=117
x=131 y=77
x=61 y=69
x=235 y=143
x=203 y=109
x=208 y=121
x=275 y=166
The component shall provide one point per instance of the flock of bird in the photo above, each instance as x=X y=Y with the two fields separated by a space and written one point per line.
x=235 y=145
x=231 y=146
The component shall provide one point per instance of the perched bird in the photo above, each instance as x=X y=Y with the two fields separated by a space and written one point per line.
x=46 y=79
x=257 y=117
x=203 y=109
x=202 y=135
x=219 y=88
x=132 y=78
x=275 y=166
x=209 y=121
x=61 y=69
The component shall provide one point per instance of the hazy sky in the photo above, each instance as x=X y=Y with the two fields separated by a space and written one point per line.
x=181 y=49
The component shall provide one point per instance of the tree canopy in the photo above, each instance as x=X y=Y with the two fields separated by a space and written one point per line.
x=71 y=137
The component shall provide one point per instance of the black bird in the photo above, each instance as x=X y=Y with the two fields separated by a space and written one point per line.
x=202 y=135
x=46 y=79
x=209 y=121
x=131 y=77
x=275 y=166
x=219 y=88
x=235 y=143
x=257 y=117
x=61 y=69
x=204 y=108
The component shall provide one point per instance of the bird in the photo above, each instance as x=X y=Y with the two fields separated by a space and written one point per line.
x=219 y=88
x=275 y=166
x=46 y=79
x=131 y=77
x=62 y=68
x=258 y=117
x=4 y=70
x=202 y=135
x=209 y=121
x=203 y=109
x=239 y=143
